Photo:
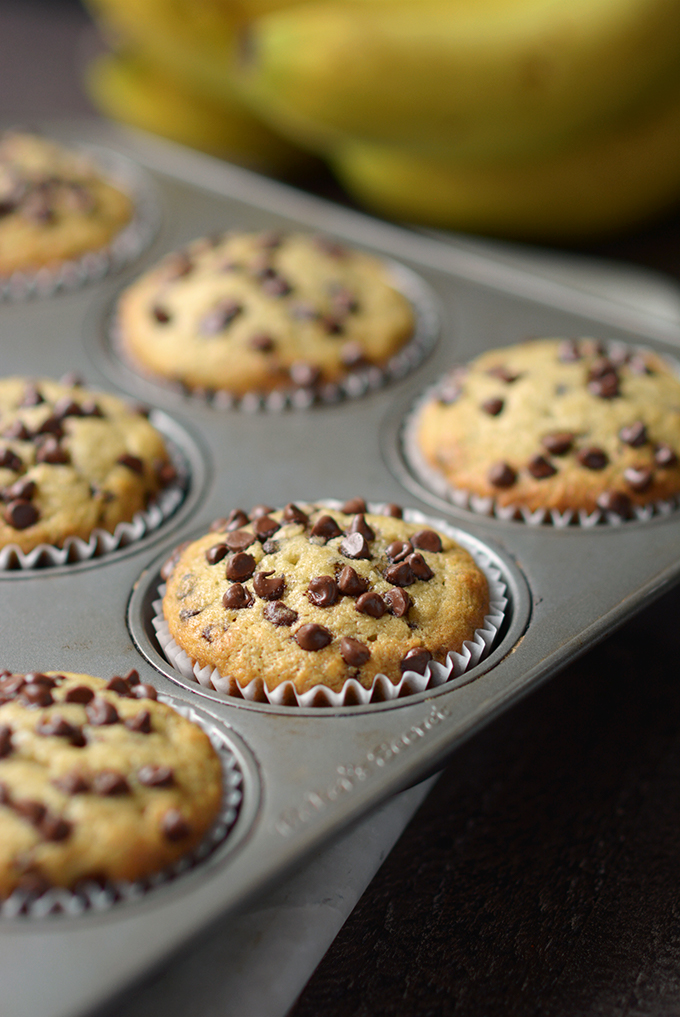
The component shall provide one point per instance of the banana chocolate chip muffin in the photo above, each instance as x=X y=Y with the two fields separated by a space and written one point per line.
x=72 y=460
x=317 y=596
x=260 y=312
x=98 y=780
x=55 y=205
x=558 y=425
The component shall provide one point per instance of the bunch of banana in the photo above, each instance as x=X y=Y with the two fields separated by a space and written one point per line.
x=168 y=72
x=544 y=119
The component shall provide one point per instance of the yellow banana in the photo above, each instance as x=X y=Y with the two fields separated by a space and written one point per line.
x=187 y=38
x=470 y=78
x=605 y=186
x=128 y=88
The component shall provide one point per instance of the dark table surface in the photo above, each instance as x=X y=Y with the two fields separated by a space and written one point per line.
x=542 y=874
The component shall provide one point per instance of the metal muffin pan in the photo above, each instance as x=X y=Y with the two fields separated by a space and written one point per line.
x=307 y=773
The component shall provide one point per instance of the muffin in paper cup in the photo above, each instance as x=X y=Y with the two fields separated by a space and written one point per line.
x=327 y=604
x=82 y=473
x=68 y=216
x=553 y=431
x=273 y=321
x=105 y=791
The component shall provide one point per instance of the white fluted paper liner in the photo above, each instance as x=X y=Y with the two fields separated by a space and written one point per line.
x=356 y=384
x=91 y=896
x=487 y=506
x=353 y=693
x=124 y=247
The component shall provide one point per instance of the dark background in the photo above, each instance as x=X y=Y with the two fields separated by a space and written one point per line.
x=542 y=875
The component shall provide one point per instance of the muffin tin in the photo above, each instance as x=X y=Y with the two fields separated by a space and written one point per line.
x=306 y=772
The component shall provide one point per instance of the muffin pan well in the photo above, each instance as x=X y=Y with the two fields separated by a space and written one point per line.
x=307 y=773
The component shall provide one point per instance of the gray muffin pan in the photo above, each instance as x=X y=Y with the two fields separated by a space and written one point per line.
x=307 y=773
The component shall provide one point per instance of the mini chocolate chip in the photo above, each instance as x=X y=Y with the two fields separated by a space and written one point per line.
x=558 y=443
x=331 y=324
x=600 y=368
x=18 y=430
x=239 y=540
x=261 y=342
x=492 y=406
x=502 y=475
x=67 y=407
x=279 y=614
x=427 y=540
x=293 y=514
x=162 y=316
x=155 y=775
x=350 y=583
x=51 y=452
x=326 y=527
x=420 y=568
x=268 y=586
x=72 y=379
x=664 y=455
x=372 y=604
x=5 y=740
x=109 y=783
x=330 y=247
x=21 y=514
x=344 y=301
x=258 y=511
x=323 y=591
x=101 y=712
x=219 y=318
x=399 y=550
x=216 y=553
x=144 y=691
x=38 y=678
x=119 y=685
x=34 y=812
x=235 y=520
x=79 y=694
x=592 y=458
x=22 y=490
x=616 y=502
x=355 y=545
x=449 y=392
x=395 y=511
x=10 y=461
x=90 y=408
x=174 y=825
x=37 y=695
x=141 y=722
x=400 y=575
x=265 y=527
x=178 y=265
x=270 y=546
x=240 y=566
x=275 y=285
x=540 y=467
x=359 y=525
x=634 y=435
x=399 y=601
x=303 y=374
x=416 y=659
x=11 y=684
x=133 y=463
x=56 y=727
x=166 y=473
x=55 y=828
x=638 y=478
x=72 y=783
x=237 y=597
x=312 y=637
x=504 y=373
x=132 y=677
x=304 y=312
x=32 y=396
x=606 y=387
x=568 y=351
x=353 y=651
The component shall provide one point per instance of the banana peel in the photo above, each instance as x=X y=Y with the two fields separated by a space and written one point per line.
x=128 y=88
x=603 y=187
x=473 y=79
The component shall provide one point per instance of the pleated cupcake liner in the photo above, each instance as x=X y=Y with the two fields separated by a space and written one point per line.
x=90 y=896
x=352 y=693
